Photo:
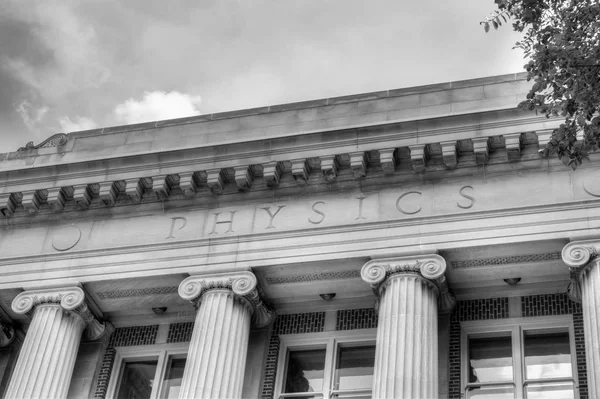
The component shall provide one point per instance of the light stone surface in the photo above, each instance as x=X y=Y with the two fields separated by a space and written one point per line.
x=581 y=257
x=218 y=348
x=406 y=355
x=406 y=358
x=47 y=373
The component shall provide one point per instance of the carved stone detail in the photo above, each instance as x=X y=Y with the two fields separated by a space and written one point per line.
x=243 y=177
x=358 y=164
x=388 y=160
x=69 y=298
x=329 y=167
x=449 y=154
x=134 y=189
x=82 y=195
x=57 y=197
x=300 y=171
x=162 y=185
x=578 y=256
x=9 y=203
x=272 y=173
x=417 y=157
x=108 y=193
x=33 y=199
x=431 y=267
x=214 y=181
x=52 y=141
x=584 y=268
x=243 y=284
x=481 y=148
x=513 y=146
x=7 y=334
x=543 y=137
x=188 y=183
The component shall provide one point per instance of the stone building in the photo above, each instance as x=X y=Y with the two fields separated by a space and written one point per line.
x=407 y=243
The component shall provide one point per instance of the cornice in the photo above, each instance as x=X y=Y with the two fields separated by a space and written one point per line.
x=71 y=299
x=160 y=186
x=243 y=284
x=430 y=267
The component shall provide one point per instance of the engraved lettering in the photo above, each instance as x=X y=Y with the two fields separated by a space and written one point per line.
x=317 y=212
x=173 y=223
x=404 y=211
x=272 y=215
x=229 y=222
x=467 y=196
x=360 y=208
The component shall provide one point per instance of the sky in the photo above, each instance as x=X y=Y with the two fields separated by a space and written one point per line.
x=69 y=65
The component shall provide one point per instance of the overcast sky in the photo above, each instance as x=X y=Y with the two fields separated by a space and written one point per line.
x=74 y=65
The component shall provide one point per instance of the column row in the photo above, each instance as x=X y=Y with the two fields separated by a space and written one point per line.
x=411 y=292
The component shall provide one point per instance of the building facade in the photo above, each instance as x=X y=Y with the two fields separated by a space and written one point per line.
x=407 y=243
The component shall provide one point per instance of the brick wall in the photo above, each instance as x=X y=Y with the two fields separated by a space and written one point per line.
x=353 y=319
x=126 y=336
x=497 y=308
x=180 y=332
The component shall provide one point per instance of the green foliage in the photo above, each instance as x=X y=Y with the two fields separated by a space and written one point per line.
x=562 y=41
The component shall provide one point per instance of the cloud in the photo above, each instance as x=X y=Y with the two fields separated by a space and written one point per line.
x=158 y=105
x=80 y=123
x=31 y=116
x=66 y=57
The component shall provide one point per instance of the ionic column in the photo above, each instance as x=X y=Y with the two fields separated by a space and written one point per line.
x=227 y=305
x=406 y=356
x=584 y=264
x=45 y=364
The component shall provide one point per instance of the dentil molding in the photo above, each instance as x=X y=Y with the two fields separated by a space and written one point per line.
x=243 y=284
x=71 y=299
x=431 y=267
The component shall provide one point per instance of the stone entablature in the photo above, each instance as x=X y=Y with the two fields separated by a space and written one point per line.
x=353 y=137
x=160 y=187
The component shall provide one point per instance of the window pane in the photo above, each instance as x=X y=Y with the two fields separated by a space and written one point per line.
x=551 y=390
x=355 y=368
x=305 y=371
x=137 y=380
x=494 y=392
x=490 y=359
x=547 y=355
x=172 y=382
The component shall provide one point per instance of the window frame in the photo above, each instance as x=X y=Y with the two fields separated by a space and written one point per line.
x=162 y=352
x=516 y=327
x=330 y=341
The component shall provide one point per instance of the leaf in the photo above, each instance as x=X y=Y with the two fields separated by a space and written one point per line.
x=486 y=26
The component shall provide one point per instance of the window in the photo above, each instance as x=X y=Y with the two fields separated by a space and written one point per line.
x=148 y=372
x=326 y=365
x=531 y=358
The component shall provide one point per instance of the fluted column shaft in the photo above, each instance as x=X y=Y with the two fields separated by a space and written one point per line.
x=228 y=304
x=45 y=364
x=218 y=348
x=406 y=357
x=590 y=290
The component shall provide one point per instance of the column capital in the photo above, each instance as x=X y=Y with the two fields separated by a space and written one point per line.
x=579 y=255
x=243 y=284
x=71 y=299
x=431 y=267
